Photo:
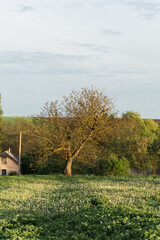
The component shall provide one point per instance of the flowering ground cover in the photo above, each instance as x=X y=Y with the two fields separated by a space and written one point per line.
x=79 y=207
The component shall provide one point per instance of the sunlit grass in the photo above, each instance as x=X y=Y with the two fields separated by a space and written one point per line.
x=52 y=194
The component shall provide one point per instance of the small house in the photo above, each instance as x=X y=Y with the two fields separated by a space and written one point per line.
x=9 y=163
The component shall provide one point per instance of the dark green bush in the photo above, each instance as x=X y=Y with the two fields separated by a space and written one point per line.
x=115 y=165
x=13 y=173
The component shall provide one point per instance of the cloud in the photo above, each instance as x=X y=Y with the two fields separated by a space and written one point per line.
x=103 y=3
x=122 y=73
x=37 y=56
x=113 y=33
x=148 y=5
x=94 y=47
x=101 y=49
x=73 y=5
x=41 y=63
x=148 y=8
x=26 y=8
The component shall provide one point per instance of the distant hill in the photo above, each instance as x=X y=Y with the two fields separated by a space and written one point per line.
x=157 y=121
x=13 y=119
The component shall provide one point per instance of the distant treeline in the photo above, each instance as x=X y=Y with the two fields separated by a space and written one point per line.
x=82 y=135
x=132 y=147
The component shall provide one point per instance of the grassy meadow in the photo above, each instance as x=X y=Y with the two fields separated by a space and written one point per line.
x=79 y=207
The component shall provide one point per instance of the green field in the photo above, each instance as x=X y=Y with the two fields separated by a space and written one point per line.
x=79 y=207
x=12 y=120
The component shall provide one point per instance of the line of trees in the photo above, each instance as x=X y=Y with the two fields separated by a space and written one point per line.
x=82 y=134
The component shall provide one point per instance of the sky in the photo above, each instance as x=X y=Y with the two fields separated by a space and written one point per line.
x=49 y=48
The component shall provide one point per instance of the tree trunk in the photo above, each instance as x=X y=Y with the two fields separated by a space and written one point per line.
x=68 y=168
x=71 y=157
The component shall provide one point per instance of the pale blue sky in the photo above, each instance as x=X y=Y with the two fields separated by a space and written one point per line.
x=48 y=48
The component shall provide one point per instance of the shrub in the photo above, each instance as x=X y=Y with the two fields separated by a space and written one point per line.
x=13 y=173
x=114 y=165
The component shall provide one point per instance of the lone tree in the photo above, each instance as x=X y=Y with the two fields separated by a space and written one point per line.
x=67 y=126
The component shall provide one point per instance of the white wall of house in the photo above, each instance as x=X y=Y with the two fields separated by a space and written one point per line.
x=7 y=164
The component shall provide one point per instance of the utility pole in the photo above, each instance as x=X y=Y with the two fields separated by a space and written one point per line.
x=20 y=143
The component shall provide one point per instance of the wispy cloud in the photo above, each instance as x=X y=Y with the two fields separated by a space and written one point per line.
x=148 y=5
x=103 y=3
x=94 y=47
x=73 y=5
x=48 y=64
x=145 y=8
x=113 y=33
x=26 y=8
x=148 y=8
x=101 y=49
x=41 y=62
x=37 y=56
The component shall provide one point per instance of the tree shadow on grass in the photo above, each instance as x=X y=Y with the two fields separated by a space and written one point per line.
x=98 y=221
